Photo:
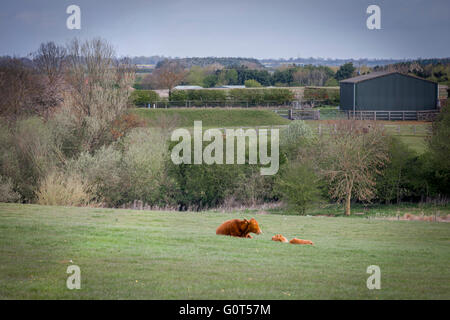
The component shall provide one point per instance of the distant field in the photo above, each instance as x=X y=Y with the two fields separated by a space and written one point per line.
x=214 y=117
x=125 y=254
x=413 y=133
x=372 y=210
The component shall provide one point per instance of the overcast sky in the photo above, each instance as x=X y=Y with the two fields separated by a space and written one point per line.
x=245 y=28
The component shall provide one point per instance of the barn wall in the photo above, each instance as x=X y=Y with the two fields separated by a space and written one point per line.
x=346 y=96
x=396 y=92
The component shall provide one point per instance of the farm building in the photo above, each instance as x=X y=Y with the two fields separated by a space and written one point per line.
x=389 y=96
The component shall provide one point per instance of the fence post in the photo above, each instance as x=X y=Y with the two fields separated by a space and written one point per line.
x=290 y=115
x=398 y=129
x=320 y=129
x=414 y=129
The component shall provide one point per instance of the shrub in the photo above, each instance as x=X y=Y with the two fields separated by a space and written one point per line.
x=7 y=193
x=144 y=164
x=439 y=147
x=141 y=98
x=202 y=186
x=27 y=153
x=392 y=183
x=328 y=96
x=124 y=124
x=298 y=186
x=294 y=137
x=102 y=171
x=332 y=82
x=179 y=95
x=59 y=189
x=251 y=83
x=252 y=188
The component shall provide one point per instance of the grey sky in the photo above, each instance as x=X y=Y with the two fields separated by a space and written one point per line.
x=246 y=28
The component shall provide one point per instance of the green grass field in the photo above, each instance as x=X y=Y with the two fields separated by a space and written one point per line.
x=214 y=117
x=415 y=138
x=126 y=254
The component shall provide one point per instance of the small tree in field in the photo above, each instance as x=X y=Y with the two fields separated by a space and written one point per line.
x=350 y=158
x=168 y=75
x=251 y=83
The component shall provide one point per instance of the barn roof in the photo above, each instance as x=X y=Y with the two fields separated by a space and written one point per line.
x=378 y=74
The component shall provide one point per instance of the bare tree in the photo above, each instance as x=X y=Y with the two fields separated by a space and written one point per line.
x=168 y=75
x=100 y=86
x=49 y=60
x=20 y=89
x=350 y=158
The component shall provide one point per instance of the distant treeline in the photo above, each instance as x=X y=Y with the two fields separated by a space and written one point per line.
x=329 y=62
x=228 y=61
x=284 y=77
x=223 y=62
x=431 y=69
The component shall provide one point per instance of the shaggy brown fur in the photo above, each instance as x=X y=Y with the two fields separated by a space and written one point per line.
x=239 y=228
x=279 y=237
x=301 y=241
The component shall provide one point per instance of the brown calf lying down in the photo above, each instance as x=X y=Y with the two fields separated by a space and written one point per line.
x=301 y=241
x=239 y=228
x=279 y=237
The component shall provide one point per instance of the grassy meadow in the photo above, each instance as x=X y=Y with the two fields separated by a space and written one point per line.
x=212 y=117
x=125 y=254
x=412 y=133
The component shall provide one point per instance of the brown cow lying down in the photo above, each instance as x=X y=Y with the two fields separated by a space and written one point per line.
x=279 y=237
x=239 y=228
x=301 y=241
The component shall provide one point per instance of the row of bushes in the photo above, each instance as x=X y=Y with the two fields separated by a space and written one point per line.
x=137 y=166
x=251 y=96
x=141 y=98
x=327 y=95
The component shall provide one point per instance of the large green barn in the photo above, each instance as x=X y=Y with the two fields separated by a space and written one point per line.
x=388 y=93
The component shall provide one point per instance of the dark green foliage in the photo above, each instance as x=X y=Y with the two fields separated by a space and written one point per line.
x=439 y=146
x=299 y=186
x=394 y=184
x=345 y=71
x=252 y=83
x=210 y=81
x=141 y=98
x=252 y=96
x=224 y=61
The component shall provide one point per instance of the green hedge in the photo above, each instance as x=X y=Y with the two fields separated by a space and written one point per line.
x=329 y=96
x=143 y=97
x=244 y=96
